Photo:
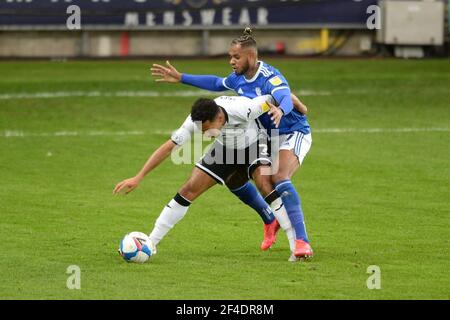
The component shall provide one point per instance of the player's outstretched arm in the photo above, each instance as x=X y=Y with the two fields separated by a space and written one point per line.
x=155 y=160
x=166 y=74
x=298 y=105
x=171 y=75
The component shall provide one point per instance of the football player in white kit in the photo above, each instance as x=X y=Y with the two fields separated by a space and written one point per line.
x=231 y=160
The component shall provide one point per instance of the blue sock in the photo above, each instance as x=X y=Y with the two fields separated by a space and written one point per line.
x=251 y=197
x=293 y=206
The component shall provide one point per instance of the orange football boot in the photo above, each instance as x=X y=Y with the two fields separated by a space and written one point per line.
x=270 y=234
x=302 y=249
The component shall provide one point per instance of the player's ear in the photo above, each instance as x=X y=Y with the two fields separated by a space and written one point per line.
x=251 y=55
x=205 y=126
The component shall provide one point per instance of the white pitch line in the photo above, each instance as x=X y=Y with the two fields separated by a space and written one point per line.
x=130 y=94
x=23 y=134
x=379 y=130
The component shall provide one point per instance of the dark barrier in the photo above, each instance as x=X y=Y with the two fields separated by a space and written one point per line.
x=185 y=13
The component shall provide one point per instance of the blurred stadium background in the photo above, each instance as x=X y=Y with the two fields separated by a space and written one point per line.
x=200 y=28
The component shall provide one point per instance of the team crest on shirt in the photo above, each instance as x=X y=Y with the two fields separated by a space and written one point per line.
x=177 y=139
x=258 y=91
x=276 y=81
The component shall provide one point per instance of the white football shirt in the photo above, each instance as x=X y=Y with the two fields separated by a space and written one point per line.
x=240 y=130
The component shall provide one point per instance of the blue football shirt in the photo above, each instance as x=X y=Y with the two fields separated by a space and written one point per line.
x=268 y=80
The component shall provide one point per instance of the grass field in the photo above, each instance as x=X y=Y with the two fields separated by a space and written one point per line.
x=374 y=187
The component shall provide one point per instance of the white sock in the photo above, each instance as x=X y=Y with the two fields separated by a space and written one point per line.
x=283 y=219
x=290 y=233
x=169 y=217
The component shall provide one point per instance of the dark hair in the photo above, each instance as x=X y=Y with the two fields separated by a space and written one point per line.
x=245 y=40
x=204 y=110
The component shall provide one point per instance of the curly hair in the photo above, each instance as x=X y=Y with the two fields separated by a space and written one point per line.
x=204 y=110
x=245 y=40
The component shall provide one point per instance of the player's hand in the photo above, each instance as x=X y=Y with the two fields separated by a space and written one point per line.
x=127 y=185
x=298 y=105
x=166 y=74
x=275 y=114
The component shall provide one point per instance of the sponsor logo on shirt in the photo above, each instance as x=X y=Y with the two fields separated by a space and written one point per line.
x=276 y=81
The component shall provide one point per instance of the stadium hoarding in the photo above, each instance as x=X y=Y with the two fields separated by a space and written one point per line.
x=185 y=14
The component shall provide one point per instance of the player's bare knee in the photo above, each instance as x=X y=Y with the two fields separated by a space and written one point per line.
x=188 y=191
x=263 y=183
x=279 y=176
x=185 y=193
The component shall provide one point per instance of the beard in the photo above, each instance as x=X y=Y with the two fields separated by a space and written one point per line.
x=243 y=70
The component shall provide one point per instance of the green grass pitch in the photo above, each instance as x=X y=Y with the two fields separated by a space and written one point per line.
x=374 y=187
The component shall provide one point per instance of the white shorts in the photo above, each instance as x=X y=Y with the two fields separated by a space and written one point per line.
x=297 y=141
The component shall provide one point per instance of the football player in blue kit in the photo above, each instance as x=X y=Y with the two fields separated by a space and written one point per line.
x=251 y=78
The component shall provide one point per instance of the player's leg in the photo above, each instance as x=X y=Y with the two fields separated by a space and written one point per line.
x=290 y=157
x=261 y=174
x=263 y=180
x=177 y=208
x=259 y=170
x=227 y=166
x=242 y=188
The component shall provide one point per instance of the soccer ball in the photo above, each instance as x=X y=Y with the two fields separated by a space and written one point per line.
x=136 y=247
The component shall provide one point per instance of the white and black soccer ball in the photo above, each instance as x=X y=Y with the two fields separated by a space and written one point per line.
x=136 y=247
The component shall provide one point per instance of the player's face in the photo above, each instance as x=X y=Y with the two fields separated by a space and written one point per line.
x=239 y=59
x=212 y=128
